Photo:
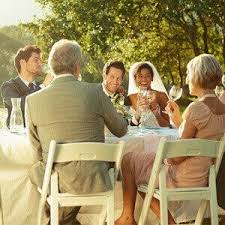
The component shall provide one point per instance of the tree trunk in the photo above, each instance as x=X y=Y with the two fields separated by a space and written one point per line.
x=223 y=49
x=179 y=68
x=205 y=33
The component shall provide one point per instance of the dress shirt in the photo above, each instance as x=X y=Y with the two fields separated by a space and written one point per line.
x=27 y=82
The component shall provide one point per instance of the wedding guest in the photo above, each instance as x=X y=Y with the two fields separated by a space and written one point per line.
x=28 y=65
x=113 y=74
x=145 y=75
x=69 y=110
x=204 y=118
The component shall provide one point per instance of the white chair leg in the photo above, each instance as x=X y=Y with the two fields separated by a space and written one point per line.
x=102 y=218
x=54 y=208
x=163 y=198
x=213 y=198
x=201 y=212
x=54 y=213
x=110 y=210
x=40 y=213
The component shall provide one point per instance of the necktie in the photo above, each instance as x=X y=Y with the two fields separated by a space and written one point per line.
x=31 y=87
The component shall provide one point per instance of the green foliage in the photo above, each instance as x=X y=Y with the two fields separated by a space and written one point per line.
x=166 y=32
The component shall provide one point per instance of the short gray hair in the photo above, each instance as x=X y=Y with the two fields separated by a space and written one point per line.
x=206 y=71
x=64 y=56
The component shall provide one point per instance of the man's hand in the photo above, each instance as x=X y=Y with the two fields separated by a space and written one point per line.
x=48 y=79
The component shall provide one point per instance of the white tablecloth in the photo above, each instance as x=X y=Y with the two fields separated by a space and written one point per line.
x=18 y=196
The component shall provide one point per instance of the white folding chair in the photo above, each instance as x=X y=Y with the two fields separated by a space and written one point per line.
x=59 y=153
x=183 y=147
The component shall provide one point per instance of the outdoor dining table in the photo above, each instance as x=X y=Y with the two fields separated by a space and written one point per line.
x=19 y=198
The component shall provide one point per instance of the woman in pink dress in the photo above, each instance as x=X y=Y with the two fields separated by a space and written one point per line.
x=204 y=118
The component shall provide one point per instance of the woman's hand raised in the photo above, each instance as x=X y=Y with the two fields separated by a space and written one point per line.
x=173 y=110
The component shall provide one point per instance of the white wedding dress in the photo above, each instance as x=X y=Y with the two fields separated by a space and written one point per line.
x=148 y=119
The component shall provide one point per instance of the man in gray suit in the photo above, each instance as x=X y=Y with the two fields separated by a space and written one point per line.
x=68 y=110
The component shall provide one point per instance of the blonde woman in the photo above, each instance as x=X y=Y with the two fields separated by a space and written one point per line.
x=204 y=118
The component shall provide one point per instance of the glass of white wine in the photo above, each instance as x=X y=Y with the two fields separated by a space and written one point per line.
x=175 y=93
x=223 y=80
x=142 y=91
x=219 y=90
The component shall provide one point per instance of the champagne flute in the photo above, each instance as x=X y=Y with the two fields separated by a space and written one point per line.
x=150 y=96
x=142 y=91
x=175 y=93
x=223 y=80
x=142 y=94
x=219 y=90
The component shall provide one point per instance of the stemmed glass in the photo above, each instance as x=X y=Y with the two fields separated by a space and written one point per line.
x=142 y=92
x=219 y=90
x=141 y=95
x=142 y=109
x=175 y=93
x=223 y=80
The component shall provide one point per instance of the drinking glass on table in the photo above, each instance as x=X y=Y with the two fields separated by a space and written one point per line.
x=16 y=118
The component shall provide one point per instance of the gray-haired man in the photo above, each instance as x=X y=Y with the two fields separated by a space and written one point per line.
x=69 y=110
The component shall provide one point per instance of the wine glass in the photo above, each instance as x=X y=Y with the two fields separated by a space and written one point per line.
x=142 y=91
x=150 y=96
x=142 y=94
x=219 y=90
x=175 y=93
x=223 y=80
x=3 y=118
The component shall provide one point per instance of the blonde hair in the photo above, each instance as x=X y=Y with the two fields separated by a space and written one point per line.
x=64 y=56
x=206 y=71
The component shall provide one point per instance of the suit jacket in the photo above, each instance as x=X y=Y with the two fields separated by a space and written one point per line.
x=15 y=88
x=72 y=111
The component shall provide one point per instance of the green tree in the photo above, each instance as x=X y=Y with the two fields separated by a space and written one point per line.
x=165 y=32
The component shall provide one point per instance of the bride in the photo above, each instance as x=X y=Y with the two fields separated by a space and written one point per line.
x=143 y=75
